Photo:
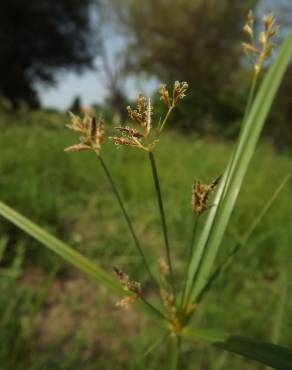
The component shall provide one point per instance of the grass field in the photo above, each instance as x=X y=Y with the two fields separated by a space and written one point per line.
x=58 y=319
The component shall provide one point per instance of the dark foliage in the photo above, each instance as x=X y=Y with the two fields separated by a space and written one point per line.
x=38 y=37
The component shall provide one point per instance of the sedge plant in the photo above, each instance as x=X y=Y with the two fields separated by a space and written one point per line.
x=178 y=301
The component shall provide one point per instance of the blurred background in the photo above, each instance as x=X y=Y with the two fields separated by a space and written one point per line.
x=96 y=55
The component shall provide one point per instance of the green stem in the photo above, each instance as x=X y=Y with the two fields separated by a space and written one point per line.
x=165 y=118
x=172 y=362
x=126 y=216
x=162 y=214
x=154 y=309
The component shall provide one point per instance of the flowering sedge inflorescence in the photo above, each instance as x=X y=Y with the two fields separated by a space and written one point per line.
x=260 y=53
x=142 y=137
x=142 y=116
x=178 y=93
x=176 y=317
x=129 y=286
x=92 y=133
x=200 y=196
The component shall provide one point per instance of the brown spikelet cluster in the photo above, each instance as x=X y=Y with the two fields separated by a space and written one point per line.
x=178 y=93
x=141 y=116
x=168 y=298
x=163 y=268
x=129 y=286
x=200 y=195
x=177 y=317
x=260 y=53
x=92 y=133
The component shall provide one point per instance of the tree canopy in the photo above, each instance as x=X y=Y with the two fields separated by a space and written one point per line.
x=39 y=37
x=196 y=41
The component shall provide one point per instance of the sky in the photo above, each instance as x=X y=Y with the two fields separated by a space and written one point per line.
x=90 y=85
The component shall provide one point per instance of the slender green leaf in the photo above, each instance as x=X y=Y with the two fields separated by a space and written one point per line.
x=243 y=241
x=70 y=255
x=266 y=353
x=155 y=344
x=59 y=247
x=216 y=224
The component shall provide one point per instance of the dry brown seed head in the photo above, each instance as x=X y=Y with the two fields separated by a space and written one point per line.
x=134 y=115
x=77 y=148
x=167 y=299
x=141 y=104
x=128 y=284
x=93 y=133
x=163 y=268
x=269 y=21
x=201 y=194
x=119 y=141
x=179 y=90
x=250 y=48
x=265 y=40
x=100 y=130
x=148 y=119
x=130 y=131
x=124 y=302
x=76 y=123
x=164 y=96
x=248 y=28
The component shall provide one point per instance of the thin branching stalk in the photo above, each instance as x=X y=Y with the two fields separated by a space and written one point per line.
x=154 y=309
x=126 y=216
x=161 y=127
x=162 y=214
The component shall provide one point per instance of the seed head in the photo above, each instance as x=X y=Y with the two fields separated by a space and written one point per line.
x=124 y=302
x=179 y=90
x=249 y=26
x=128 y=284
x=250 y=49
x=200 y=195
x=142 y=116
x=260 y=54
x=141 y=104
x=92 y=133
x=164 y=96
x=163 y=268
x=178 y=93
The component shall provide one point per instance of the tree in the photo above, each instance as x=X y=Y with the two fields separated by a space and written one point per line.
x=197 y=41
x=38 y=38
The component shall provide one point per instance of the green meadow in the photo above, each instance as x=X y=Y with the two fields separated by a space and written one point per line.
x=53 y=317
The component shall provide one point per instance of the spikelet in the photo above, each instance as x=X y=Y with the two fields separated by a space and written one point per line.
x=178 y=93
x=142 y=116
x=92 y=133
x=200 y=195
x=129 y=286
x=163 y=268
x=260 y=53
